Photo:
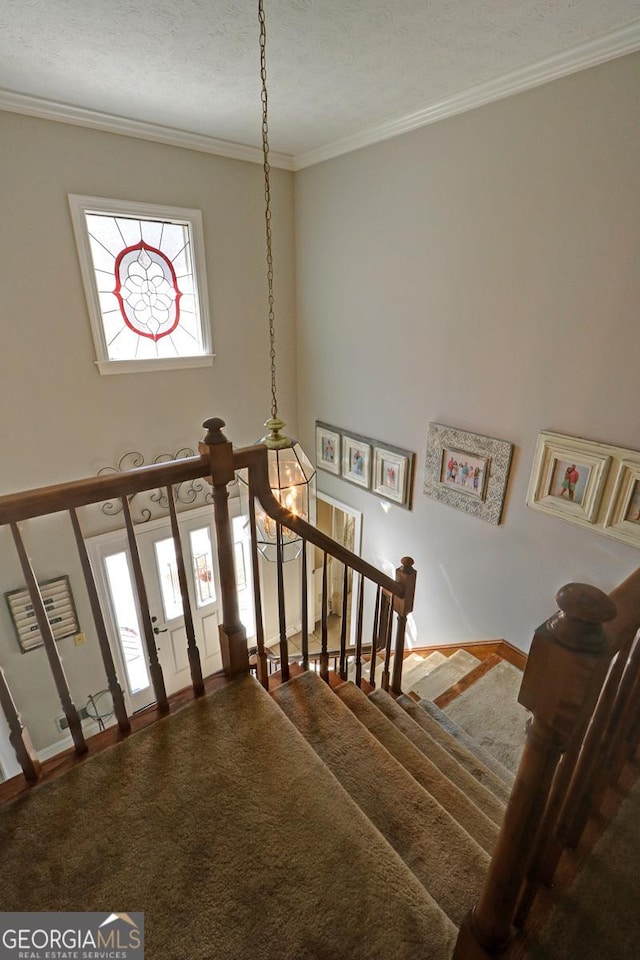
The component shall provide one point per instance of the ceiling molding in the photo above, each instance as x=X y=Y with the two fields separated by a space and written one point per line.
x=590 y=54
x=81 y=117
x=607 y=47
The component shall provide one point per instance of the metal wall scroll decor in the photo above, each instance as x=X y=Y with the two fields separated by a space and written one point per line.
x=151 y=504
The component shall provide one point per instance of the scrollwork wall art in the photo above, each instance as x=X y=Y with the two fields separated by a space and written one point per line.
x=154 y=503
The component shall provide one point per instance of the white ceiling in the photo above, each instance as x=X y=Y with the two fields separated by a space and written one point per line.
x=340 y=72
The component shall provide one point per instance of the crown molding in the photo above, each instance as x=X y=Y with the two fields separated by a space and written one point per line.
x=610 y=46
x=94 y=119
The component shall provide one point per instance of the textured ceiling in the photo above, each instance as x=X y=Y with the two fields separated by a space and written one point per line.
x=335 y=67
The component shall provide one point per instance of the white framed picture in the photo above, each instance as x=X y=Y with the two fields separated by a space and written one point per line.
x=392 y=470
x=356 y=461
x=327 y=448
x=568 y=477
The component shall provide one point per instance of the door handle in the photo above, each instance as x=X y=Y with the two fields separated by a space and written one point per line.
x=157 y=630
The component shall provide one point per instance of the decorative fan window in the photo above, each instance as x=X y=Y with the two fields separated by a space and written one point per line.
x=144 y=277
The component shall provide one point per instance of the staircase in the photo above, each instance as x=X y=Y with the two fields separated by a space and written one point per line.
x=316 y=821
x=304 y=815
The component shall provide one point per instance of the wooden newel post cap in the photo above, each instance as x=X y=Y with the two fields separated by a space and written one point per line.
x=583 y=609
x=581 y=601
x=560 y=672
x=407 y=565
x=214 y=435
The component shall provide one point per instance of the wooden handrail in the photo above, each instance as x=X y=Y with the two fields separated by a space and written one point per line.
x=217 y=463
x=560 y=686
x=79 y=493
x=43 y=501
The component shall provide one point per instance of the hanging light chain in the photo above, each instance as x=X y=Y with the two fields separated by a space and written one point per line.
x=267 y=199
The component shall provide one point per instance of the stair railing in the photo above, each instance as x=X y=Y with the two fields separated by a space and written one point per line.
x=560 y=687
x=218 y=462
x=393 y=597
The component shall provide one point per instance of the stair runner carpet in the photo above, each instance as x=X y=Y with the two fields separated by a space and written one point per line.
x=421 y=768
x=424 y=732
x=443 y=676
x=465 y=739
x=489 y=710
x=234 y=838
x=440 y=852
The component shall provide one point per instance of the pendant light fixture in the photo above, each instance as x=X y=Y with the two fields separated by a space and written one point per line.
x=291 y=473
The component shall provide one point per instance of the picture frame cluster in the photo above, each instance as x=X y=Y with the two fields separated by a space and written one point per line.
x=382 y=469
x=593 y=484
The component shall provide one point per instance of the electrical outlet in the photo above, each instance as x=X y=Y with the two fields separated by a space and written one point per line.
x=63 y=724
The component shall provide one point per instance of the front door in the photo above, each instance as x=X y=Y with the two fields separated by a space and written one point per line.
x=112 y=568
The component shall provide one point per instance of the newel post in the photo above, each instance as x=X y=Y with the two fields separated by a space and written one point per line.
x=233 y=637
x=560 y=673
x=403 y=606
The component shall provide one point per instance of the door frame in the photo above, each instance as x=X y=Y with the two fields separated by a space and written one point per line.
x=99 y=545
x=357 y=544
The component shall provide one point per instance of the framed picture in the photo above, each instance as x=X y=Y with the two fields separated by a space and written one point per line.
x=392 y=474
x=568 y=477
x=464 y=471
x=467 y=471
x=356 y=461
x=58 y=604
x=327 y=448
x=623 y=514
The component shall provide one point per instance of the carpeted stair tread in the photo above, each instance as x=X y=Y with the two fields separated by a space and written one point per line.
x=489 y=710
x=483 y=830
x=484 y=799
x=449 y=863
x=225 y=828
x=412 y=670
x=465 y=739
x=445 y=675
x=402 y=710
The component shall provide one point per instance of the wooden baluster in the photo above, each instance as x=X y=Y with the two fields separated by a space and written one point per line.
x=53 y=656
x=155 y=669
x=616 y=740
x=324 y=649
x=387 y=636
x=358 y=677
x=263 y=672
x=18 y=734
x=193 y=653
x=282 y=616
x=233 y=636
x=343 y=625
x=374 y=638
x=113 y=682
x=578 y=802
x=305 y=608
x=549 y=847
x=403 y=606
x=557 y=680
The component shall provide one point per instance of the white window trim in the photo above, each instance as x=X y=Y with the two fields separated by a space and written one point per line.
x=79 y=206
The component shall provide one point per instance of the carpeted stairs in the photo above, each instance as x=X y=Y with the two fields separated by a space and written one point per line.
x=310 y=823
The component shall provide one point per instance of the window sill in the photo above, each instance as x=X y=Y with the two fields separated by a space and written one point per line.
x=147 y=366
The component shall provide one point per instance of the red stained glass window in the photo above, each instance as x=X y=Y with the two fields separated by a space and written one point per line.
x=143 y=284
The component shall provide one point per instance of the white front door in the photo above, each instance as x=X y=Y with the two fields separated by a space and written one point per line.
x=158 y=559
x=112 y=568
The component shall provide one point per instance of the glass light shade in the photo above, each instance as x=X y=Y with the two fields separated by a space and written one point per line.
x=291 y=478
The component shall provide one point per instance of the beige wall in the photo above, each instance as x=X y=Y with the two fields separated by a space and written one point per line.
x=60 y=418
x=481 y=272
